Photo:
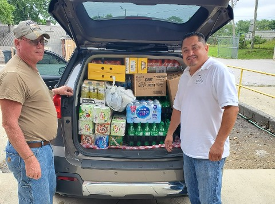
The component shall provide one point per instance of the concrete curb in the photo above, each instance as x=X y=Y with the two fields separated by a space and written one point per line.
x=262 y=119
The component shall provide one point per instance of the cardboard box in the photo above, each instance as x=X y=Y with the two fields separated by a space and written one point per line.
x=106 y=68
x=172 y=84
x=131 y=65
x=115 y=140
x=102 y=128
x=118 y=125
x=150 y=84
x=142 y=65
x=106 y=72
x=92 y=101
x=85 y=127
x=87 y=140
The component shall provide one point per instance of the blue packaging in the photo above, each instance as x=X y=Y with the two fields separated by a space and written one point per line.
x=102 y=141
x=143 y=112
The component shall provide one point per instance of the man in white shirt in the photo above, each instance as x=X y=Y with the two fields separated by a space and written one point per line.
x=206 y=107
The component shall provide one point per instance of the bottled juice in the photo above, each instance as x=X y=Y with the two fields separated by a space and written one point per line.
x=100 y=92
x=93 y=92
x=85 y=89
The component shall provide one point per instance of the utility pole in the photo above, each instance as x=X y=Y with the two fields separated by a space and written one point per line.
x=254 y=24
x=233 y=23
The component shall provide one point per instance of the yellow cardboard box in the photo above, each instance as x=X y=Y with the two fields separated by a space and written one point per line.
x=131 y=65
x=142 y=65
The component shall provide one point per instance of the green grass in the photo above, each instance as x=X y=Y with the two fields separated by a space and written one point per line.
x=260 y=51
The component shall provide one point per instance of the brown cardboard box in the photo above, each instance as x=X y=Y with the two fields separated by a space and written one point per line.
x=150 y=84
x=172 y=84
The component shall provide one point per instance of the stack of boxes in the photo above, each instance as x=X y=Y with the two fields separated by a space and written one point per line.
x=97 y=127
x=94 y=125
x=118 y=126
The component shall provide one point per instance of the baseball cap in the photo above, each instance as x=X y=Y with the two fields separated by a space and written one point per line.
x=30 y=30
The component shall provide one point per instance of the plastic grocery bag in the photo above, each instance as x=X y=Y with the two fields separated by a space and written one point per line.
x=118 y=97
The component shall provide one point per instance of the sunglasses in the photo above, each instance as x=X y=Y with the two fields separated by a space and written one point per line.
x=42 y=41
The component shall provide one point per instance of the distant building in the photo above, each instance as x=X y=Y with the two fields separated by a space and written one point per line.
x=265 y=34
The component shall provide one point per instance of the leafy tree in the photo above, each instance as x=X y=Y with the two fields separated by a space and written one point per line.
x=225 y=31
x=36 y=10
x=263 y=25
x=242 y=26
x=175 y=19
x=272 y=24
x=6 y=16
x=102 y=17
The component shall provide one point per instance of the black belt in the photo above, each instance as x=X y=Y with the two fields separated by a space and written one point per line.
x=38 y=144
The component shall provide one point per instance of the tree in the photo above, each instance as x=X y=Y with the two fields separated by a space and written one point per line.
x=242 y=26
x=175 y=19
x=6 y=16
x=233 y=4
x=36 y=10
x=263 y=25
x=272 y=25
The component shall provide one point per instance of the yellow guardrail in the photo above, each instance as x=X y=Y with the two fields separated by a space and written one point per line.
x=246 y=87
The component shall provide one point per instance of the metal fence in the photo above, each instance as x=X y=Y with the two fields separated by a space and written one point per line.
x=267 y=123
x=228 y=47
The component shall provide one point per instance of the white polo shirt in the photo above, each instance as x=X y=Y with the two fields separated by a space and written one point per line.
x=201 y=99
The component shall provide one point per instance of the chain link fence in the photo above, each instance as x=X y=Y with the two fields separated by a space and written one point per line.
x=228 y=46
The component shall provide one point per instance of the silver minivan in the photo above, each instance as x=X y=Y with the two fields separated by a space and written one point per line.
x=113 y=31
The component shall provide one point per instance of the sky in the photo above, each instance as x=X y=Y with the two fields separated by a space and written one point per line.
x=244 y=10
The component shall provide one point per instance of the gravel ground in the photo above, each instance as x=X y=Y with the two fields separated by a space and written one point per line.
x=250 y=147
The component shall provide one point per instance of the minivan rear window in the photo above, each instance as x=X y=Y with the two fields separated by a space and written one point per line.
x=117 y=10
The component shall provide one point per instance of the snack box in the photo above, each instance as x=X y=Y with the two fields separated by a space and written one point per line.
x=85 y=127
x=118 y=125
x=102 y=128
x=115 y=140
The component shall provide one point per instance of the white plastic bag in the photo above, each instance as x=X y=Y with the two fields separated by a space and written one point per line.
x=118 y=97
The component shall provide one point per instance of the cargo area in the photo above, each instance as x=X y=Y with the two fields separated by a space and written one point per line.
x=125 y=104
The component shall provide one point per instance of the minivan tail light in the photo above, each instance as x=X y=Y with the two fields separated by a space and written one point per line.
x=57 y=104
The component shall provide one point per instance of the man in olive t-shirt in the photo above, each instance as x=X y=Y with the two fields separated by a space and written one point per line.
x=29 y=117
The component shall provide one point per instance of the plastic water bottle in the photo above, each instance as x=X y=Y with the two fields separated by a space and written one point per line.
x=156 y=116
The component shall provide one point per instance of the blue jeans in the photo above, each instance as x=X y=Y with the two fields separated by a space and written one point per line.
x=31 y=191
x=203 y=179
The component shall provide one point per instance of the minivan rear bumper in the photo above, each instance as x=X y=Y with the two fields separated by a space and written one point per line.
x=133 y=190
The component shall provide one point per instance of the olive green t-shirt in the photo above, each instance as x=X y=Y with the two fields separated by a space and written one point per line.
x=20 y=83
